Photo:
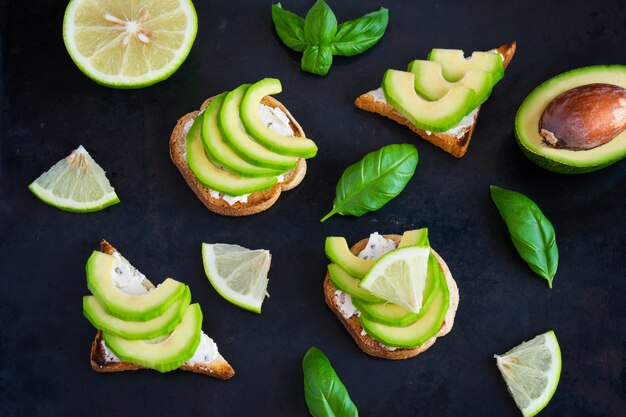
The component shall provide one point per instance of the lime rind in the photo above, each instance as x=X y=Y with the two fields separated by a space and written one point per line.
x=121 y=81
x=538 y=360
x=75 y=184
x=255 y=295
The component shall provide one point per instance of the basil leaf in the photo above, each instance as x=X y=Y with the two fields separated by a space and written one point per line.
x=373 y=181
x=324 y=393
x=317 y=59
x=320 y=24
x=357 y=36
x=289 y=27
x=531 y=231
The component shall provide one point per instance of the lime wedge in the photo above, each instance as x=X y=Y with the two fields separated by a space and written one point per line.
x=129 y=44
x=75 y=183
x=399 y=277
x=531 y=372
x=237 y=274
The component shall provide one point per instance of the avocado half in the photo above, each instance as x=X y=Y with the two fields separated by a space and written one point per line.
x=567 y=161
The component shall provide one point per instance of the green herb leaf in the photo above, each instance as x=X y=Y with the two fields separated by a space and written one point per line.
x=324 y=393
x=357 y=36
x=290 y=27
x=317 y=59
x=531 y=231
x=320 y=24
x=373 y=181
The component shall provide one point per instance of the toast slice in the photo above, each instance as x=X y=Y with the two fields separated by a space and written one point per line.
x=454 y=141
x=335 y=298
x=256 y=202
x=103 y=360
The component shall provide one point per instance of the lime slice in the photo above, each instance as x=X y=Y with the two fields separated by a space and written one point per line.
x=531 y=372
x=127 y=44
x=75 y=183
x=237 y=274
x=399 y=277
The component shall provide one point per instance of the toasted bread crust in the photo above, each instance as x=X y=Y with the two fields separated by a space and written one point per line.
x=456 y=145
x=218 y=368
x=257 y=202
x=370 y=345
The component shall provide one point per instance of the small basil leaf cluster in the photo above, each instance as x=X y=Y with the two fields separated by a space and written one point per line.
x=319 y=36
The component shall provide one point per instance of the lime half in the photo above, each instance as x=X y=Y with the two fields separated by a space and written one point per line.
x=531 y=372
x=129 y=44
x=400 y=276
x=238 y=274
x=75 y=183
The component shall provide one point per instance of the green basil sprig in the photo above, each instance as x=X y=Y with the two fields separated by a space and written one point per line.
x=531 y=231
x=319 y=36
x=373 y=181
x=324 y=393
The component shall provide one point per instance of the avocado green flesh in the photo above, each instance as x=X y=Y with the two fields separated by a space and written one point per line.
x=254 y=125
x=419 y=331
x=418 y=237
x=214 y=177
x=337 y=250
x=395 y=315
x=236 y=136
x=221 y=152
x=100 y=270
x=455 y=65
x=167 y=354
x=430 y=83
x=133 y=330
x=564 y=160
x=348 y=284
x=435 y=116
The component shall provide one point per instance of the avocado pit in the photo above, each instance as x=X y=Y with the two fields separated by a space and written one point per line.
x=584 y=117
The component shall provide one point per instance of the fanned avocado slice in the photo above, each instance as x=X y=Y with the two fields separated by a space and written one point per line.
x=417 y=237
x=235 y=134
x=134 y=330
x=455 y=65
x=213 y=176
x=348 y=284
x=337 y=251
x=221 y=152
x=285 y=145
x=100 y=270
x=435 y=116
x=167 y=354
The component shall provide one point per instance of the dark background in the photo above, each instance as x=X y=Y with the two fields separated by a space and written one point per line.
x=49 y=108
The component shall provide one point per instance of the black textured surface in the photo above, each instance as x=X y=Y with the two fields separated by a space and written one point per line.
x=49 y=108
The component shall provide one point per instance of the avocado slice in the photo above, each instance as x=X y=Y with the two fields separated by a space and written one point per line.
x=430 y=83
x=337 y=250
x=418 y=237
x=567 y=161
x=100 y=270
x=454 y=64
x=213 y=176
x=348 y=284
x=167 y=354
x=133 y=330
x=435 y=116
x=395 y=315
x=251 y=119
x=419 y=331
x=236 y=136
x=221 y=152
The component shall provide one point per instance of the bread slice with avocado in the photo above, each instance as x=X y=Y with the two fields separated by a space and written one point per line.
x=222 y=203
x=336 y=300
x=456 y=140
x=104 y=360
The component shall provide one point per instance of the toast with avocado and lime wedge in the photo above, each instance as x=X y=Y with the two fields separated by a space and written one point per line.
x=440 y=98
x=241 y=150
x=141 y=325
x=399 y=296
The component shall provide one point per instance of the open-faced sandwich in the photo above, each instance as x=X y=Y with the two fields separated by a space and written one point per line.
x=143 y=326
x=394 y=294
x=241 y=150
x=440 y=98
